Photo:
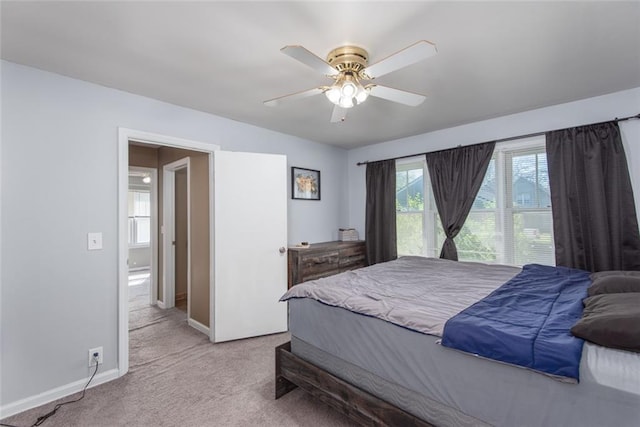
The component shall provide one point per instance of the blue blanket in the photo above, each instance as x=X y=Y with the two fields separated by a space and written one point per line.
x=526 y=321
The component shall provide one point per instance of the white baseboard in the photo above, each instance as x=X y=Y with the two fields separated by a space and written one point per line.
x=56 y=393
x=198 y=326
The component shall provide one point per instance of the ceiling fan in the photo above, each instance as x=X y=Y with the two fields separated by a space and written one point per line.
x=348 y=67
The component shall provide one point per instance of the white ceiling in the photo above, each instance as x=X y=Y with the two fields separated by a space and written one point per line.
x=495 y=58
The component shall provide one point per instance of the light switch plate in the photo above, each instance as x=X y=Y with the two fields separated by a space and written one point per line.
x=94 y=241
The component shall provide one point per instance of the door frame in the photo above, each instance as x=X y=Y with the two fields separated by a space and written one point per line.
x=169 y=232
x=125 y=136
x=153 y=263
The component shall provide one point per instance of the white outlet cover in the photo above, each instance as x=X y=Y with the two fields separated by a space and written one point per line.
x=94 y=241
x=95 y=350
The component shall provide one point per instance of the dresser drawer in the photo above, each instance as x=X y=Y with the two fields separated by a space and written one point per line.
x=347 y=252
x=324 y=259
x=352 y=263
x=316 y=263
x=351 y=258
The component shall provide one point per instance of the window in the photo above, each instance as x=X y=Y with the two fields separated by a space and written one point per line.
x=139 y=218
x=477 y=240
x=419 y=231
x=529 y=201
x=509 y=223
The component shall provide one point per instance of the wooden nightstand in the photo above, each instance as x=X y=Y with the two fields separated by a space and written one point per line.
x=324 y=259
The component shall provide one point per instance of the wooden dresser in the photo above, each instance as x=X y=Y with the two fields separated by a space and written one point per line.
x=324 y=259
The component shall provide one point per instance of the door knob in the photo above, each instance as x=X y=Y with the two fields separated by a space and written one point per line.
x=282 y=249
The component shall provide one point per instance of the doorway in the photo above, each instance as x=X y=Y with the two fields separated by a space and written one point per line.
x=203 y=152
x=233 y=301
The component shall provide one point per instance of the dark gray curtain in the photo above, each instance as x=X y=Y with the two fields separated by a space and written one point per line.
x=380 y=223
x=456 y=177
x=594 y=217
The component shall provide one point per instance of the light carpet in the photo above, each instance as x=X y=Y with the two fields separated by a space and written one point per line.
x=178 y=378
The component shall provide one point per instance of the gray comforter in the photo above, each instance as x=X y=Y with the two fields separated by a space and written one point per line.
x=414 y=292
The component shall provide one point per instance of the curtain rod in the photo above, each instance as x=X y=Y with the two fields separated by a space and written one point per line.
x=529 y=135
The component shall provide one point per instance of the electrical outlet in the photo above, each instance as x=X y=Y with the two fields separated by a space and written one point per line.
x=92 y=353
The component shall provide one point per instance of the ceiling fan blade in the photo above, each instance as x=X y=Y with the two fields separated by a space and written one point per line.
x=407 y=56
x=396 y=95
x=339 y=114
x=309 y=59
x=293 y=96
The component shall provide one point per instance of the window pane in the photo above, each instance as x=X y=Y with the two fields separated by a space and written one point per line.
x=409 y=190
x=439 y=235
x=410 y=207
x=142 y=203
x=486 y=198
x=401 y=178
x=530 y=181
x=143 y=230
x=414 y=174
x=401 y=191
x=544 y=192
x=477 y=238
x=410 y=233
x=533 y=238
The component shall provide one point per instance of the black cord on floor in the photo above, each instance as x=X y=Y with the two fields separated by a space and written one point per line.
x=42 y=418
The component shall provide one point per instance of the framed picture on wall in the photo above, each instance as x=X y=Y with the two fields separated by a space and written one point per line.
x=305 y=184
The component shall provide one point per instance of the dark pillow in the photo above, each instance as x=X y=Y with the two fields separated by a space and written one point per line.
x=614 y=285
x=611 y=320
x=594 y=276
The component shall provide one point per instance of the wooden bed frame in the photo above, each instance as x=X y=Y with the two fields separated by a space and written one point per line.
x=359 y=405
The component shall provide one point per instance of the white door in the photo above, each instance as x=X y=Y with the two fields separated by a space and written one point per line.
x=250 y=270
x=169 y=233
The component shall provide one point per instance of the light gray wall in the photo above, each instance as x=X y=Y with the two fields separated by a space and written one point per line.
x=59 y=182
x=592 y=110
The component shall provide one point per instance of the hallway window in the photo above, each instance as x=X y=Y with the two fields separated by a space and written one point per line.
x=139 y=218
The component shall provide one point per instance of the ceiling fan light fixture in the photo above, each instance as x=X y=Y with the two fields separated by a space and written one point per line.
x=346 y=102
x=346 y=91
x=362 y=94
x=349 y=87
x=333 y=94
x=349 y=90
x=348 y=65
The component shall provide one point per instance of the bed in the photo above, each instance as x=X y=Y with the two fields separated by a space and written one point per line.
x=381 y=362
